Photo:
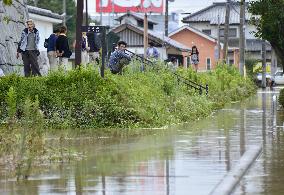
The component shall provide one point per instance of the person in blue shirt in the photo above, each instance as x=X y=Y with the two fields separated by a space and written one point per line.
x=51 y=50
x=152 y=52
x=119 y=58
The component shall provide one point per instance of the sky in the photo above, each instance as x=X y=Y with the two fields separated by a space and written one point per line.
x=185 y=5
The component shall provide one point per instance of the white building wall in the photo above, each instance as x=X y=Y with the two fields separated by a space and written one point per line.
x=45 y=30
x=214 y=29
x=249 y=29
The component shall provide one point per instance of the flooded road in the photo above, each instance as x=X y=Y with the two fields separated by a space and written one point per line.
x=187 y=159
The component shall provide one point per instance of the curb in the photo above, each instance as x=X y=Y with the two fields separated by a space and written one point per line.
x=232 y=178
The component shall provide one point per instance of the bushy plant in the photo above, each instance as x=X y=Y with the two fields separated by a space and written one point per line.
x=82 y=99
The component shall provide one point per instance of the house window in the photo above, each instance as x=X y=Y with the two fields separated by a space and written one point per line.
x=140 y=23
x=208 y=63
x=207 y=31
x=232 y=32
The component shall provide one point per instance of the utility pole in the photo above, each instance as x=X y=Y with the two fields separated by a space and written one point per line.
x=242 y=37
x=263 y=52
x=101 y=12
x=64 y=12
x=218 y=40
x=87 y=16
x=166 y=18
x=145 y=34
x=79 y=22
x=226 y=32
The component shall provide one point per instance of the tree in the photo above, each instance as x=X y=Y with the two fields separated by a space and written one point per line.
x=269 y=21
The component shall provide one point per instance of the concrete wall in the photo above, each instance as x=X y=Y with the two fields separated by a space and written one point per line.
x=12 y=22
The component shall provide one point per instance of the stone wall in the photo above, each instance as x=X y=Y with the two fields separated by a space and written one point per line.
x=12 y=22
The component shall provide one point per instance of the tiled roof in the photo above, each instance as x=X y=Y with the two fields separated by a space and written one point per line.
x=156 y=36
x=210 y=14
x=137 y=16
x=44 y=12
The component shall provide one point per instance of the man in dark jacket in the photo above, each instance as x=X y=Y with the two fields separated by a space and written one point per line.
x=28 y=47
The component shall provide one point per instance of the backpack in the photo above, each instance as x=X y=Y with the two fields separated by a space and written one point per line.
x=45 y=44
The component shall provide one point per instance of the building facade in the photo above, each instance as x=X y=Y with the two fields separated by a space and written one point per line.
x=206 y=45
x=207 y=20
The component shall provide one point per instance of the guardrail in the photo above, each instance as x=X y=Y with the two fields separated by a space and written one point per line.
x=192 y=84
x=186 y=81
x=140 y=57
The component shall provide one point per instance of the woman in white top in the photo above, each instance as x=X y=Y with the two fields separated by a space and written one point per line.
x=195 y=57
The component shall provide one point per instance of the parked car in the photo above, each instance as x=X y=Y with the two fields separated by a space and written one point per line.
x=279 y=78
x=259 y=79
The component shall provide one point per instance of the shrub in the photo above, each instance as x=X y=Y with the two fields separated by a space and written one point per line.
x=81 y=98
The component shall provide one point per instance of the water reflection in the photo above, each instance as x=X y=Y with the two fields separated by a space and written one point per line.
x=187 y=159
x=266 y=175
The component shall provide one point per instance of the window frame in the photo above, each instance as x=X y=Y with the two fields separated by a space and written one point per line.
x=203 y=30
x=210 y=63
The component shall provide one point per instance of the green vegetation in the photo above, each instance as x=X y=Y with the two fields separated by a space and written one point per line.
x=83 y=103
x=7 y=2
x=82 y=99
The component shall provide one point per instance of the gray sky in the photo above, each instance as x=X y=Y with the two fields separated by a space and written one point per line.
x=185 y=5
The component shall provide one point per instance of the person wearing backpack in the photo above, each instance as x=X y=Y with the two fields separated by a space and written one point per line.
x=50 y=44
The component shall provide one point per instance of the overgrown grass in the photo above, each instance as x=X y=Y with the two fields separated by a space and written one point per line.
x=86 y=103
x=82 y=99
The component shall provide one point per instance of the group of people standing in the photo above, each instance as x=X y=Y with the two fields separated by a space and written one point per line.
x=58 y=50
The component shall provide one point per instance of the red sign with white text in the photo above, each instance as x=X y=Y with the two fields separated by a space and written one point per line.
x=123 y=6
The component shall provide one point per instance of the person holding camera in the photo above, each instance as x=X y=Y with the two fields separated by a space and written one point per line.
x=28 y=47
x=119 y=58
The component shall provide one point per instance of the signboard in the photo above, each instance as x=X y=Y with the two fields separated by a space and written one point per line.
x=95 y=29
x=123 y=6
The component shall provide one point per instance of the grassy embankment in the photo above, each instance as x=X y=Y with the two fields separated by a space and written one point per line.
x=82 y=101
